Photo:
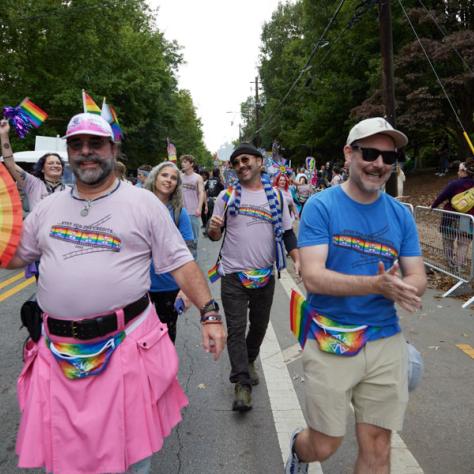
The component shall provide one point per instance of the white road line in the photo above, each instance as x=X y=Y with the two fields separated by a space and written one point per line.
x=286 y=409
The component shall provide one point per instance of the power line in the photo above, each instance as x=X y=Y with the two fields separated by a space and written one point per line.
x=445 y=33
x=431 y=65
x=306 y=67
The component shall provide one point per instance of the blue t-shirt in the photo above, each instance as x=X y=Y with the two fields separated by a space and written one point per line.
x=358 y=237
x=165 y=281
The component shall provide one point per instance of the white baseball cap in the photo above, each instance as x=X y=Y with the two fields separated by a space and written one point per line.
x=373 y=126
x=89 y=124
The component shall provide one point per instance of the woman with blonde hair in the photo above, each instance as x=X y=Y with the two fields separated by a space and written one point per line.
x=164 y=181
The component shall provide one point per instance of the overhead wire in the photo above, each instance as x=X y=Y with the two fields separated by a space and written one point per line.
x=466 y=136
x=445 y=33
x=305 y=68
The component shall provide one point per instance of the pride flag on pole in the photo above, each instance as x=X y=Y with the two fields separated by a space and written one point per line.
x=34 y=114
x=301 y=317
x=89 y=104
x=108 y=113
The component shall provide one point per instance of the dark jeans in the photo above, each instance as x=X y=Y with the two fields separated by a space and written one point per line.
x=236 y=299
x=164 y=304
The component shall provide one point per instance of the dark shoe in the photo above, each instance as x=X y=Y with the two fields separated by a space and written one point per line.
x=254 y=380
x=293 y=464
x=243 y=398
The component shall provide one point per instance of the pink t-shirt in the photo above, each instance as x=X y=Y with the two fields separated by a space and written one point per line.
x=35 y=189
x=249 y=242
x=94 y=264
x=190 y=192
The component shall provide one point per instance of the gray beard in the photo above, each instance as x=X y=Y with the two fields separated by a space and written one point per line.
x=93 y=177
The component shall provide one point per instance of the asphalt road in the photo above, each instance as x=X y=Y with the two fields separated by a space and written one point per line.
x=212 y=439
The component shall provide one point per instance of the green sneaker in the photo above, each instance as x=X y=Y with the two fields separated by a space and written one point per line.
x=243 y=398
x=253 y=374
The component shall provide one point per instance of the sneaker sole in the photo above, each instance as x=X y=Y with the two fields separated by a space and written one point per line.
x=241 y=408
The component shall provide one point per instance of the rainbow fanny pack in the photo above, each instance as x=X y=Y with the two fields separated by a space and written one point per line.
x=332 y=337
x=82 y=360
x=255 y=278
x=340 y=339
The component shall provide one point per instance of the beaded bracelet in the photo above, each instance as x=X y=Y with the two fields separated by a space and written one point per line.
x=211 y=319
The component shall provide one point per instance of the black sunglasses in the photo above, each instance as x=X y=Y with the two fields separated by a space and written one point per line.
x=371 y=154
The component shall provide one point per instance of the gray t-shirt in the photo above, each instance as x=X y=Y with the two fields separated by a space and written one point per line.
x=249 y=241
x=190 y=192
x=94 y=264
x=36 y=190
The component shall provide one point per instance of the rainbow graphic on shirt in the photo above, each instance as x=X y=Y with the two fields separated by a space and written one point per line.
x=77 y=361
x=89 y=238
x=301 y=316
x=256 y=212
x=364 y=246
x=34 y=114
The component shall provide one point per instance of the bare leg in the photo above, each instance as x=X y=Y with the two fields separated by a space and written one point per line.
x=374 y=449
x=313 y=446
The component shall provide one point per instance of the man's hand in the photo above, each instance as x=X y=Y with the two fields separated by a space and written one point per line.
x=213 y=338
x=4 y=128
x=197 y=212
x=216 y=223
x=390 y=285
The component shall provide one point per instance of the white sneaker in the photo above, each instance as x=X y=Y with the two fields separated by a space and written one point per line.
x=293 y=464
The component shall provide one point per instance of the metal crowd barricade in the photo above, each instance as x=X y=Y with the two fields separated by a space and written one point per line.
x=409 y=206
x=446 y=241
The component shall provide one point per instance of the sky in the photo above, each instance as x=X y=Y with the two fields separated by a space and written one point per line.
x=221 y=41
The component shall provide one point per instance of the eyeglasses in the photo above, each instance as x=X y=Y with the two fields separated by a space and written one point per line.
x=371 y=154
x=94 y=143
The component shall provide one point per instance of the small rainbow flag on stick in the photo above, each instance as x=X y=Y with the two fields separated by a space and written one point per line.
x=35 y=115
x=89 y=104
x=108 y=113
x=301 y=317
x=212 y=274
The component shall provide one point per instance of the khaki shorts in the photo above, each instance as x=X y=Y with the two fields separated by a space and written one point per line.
x=375 y=381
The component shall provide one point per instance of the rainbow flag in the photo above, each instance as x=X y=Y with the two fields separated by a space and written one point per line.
x=89 y=105
x=212 y=274
x=118 y=134
x=227 y=195
x=301 y=316
x=34 y=114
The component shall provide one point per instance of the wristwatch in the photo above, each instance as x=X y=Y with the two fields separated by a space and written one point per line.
x=210 y=306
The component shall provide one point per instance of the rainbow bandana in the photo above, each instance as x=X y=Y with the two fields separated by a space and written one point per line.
x=332 y=337
x=255 y=278
x=81 y=360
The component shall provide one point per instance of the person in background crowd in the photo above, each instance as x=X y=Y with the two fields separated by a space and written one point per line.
x=142 y=174
x=205 y=178
x=47 y=173
x=303 y=192
x=336 y=176
x=360 y=255
x=193 y=194
x=453 y=228
x=213 y=187
x=165 y=182
x=282 y=182
x=121 y=172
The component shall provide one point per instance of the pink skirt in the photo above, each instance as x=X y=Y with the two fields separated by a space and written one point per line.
x=102 y=423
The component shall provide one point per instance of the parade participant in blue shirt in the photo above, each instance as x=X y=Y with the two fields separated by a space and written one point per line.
x=353 y=241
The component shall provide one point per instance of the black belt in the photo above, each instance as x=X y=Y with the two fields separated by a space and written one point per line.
x=96 y=327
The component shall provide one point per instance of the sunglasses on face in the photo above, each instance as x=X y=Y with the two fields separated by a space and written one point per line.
x=245 y=160
x=371 y=154
x=93 y=143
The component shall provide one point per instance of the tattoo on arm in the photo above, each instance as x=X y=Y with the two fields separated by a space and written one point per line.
x=6 y=145
x=23 y=174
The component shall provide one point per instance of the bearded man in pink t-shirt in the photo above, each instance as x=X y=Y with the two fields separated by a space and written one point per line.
x=98 y=391
x=257 y=224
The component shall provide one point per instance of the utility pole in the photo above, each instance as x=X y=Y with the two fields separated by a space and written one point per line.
x=257 y=114
x=386 y=49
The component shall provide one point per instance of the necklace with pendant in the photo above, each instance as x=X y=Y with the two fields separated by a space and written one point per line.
x=88 y=202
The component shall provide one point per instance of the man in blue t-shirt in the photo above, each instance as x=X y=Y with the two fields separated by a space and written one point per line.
x=360 y=255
